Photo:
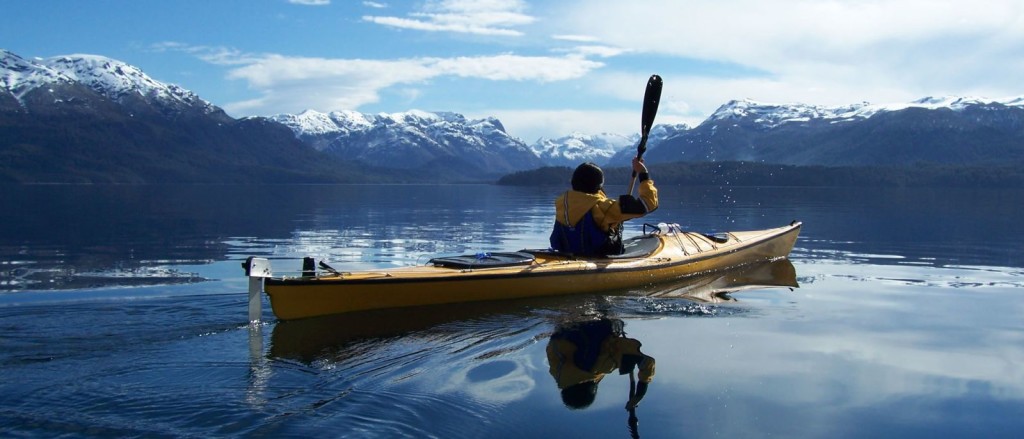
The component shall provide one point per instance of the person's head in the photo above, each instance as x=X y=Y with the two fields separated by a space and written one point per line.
x=579 y=396
x=588 y=178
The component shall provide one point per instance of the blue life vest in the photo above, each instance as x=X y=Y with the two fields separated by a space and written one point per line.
x=584 y=238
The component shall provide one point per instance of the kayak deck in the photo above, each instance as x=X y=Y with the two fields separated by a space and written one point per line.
x=667 y=254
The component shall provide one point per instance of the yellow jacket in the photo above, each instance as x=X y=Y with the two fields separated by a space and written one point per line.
x=608 y=213
x=613 y=350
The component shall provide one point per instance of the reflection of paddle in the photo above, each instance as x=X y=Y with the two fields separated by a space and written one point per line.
x=652 y=96
x=633 y=422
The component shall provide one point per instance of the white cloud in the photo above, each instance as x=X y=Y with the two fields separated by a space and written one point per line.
x=481 y=17
x=771 y=33
x=515 y=67
x=437 y=25
x=839 y=51
x=292 y=84
x=576 y=38
x=310 y=2
x=211 y=54
x=595 y=50
x=377 y=5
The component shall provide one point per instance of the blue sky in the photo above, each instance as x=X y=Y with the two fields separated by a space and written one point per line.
x=544 y=68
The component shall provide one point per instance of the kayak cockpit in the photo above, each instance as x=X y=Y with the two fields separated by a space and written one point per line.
x=485 y=260
x=636 y=247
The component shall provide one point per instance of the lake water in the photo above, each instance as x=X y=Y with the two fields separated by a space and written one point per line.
x=123 y=314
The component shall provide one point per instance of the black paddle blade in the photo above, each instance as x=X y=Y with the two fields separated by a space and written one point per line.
x=652 y=97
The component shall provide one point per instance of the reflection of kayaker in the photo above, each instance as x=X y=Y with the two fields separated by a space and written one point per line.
x=582 y=353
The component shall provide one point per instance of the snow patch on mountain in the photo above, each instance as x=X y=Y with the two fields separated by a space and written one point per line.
x=312 y=123
x=19 y=75
x=411 y=138
x=110 y=78
x=768 y=115
x=315 y=123
x=578 y=148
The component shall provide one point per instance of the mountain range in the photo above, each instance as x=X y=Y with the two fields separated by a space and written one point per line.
x=90 y=119
x=955 y=131
x=87 y=118
x=414 y=140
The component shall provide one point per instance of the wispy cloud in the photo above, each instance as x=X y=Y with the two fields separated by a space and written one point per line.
x=310 y=2
x=481 y=17
x=377 y=5
x=576 y=38
x=292 y=84
x=218 y=55
x=595 y=50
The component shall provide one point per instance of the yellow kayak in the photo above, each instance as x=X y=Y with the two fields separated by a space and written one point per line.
x=666 y=254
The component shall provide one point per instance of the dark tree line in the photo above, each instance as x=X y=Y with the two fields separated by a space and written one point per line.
x=761 y=174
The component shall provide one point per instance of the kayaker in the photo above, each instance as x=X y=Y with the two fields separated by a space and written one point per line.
x=587 y=222
x=582 y=353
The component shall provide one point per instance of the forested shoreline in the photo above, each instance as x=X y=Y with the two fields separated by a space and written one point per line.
x=760 y=174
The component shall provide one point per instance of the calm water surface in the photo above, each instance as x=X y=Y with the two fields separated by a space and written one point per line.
x=122 y=313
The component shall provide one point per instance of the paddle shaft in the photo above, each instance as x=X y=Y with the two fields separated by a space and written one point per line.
x=652 y=97
x=632 y=421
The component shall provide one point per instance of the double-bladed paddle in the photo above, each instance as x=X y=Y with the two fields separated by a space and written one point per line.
x=652 y=96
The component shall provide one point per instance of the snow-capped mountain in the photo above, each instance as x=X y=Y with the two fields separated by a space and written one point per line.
x=413 y=139
x=19 y=76
x=578 y=148
x=85 y=118
x=119 y=81
x=604 y=149
x=949 y=130
x=109 y=78
x=311 y=123
x=768 y=116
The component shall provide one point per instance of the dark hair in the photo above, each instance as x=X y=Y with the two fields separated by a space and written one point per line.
x=579 y=396
x=588 y=178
